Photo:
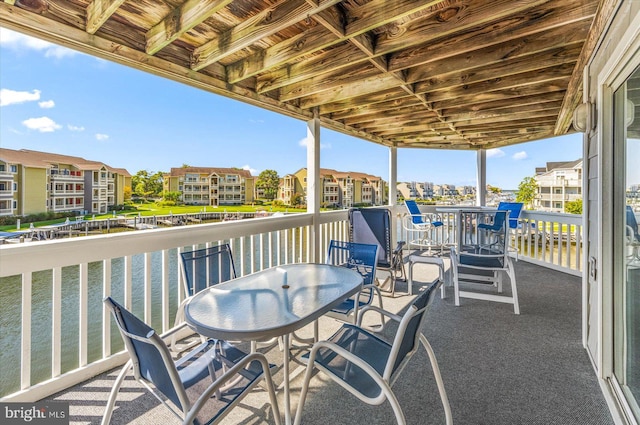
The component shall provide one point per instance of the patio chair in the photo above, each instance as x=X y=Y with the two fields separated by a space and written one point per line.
x=483 y=265
x=201 y=269
x=373 y=226
x=194 y=385
x=424 y=225
x=515 y=225
x=366 y=365
x=361 y=258
x=493 y=230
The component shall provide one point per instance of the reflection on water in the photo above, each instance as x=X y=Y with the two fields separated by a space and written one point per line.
x=41 y=334
x=41 y=302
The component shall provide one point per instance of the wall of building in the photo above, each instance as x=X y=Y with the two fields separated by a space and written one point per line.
x=32 y=188
x=599 y=169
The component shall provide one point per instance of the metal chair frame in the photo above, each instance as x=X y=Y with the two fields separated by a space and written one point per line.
x=345 y=343
x=154 y=375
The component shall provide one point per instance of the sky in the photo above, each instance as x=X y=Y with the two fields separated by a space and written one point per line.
x=53 y=99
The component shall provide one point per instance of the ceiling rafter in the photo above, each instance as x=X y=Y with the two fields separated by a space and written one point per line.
x=179 y=21
x=98 y=11
x=267 y=22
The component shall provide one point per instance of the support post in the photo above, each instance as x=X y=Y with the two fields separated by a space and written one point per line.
x=481 y=189
x=313 y=183
x=393 y=176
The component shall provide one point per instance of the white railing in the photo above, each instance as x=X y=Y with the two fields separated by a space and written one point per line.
x=549 y=239
x=56 y=331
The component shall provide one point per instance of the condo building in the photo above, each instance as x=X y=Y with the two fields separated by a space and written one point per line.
x=558 y=183
x=339 y=188
x=211 y=186
x=33 y=182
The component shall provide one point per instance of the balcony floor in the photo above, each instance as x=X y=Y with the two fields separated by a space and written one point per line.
x=498 y=368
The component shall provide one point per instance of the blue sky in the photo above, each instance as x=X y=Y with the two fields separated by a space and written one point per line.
x=53 y=99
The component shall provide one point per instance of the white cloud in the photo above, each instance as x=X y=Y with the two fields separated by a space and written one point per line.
x=42 y=124
x=495 y=153
x=17 y=41
x=75 y=127
x=47 y=104
x=12 y=97
x=520 y=155
x=304 y=142
x=101 y=136
x=253 y=171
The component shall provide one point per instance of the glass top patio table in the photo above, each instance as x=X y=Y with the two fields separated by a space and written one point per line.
x=271 y=303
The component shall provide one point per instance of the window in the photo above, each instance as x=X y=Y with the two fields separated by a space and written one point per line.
x=14 y=168
x=626 y=242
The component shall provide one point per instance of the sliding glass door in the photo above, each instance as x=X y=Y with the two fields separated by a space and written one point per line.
x=626 y=240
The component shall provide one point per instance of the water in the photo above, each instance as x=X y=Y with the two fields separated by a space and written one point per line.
x=41 y=335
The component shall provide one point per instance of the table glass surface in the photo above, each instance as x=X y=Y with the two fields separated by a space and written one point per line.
x=271 y=302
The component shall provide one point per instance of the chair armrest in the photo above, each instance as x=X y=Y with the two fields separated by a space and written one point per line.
x=226 y=377
x=348 y=356
x=399 y=247
x=362 y=312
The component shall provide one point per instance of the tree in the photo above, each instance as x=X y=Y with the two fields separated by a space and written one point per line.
x=171 y=196
x=527 y=190
x=494 y=189
x=573 y=207
x=268 y=181
x=127 y=193
x=297 y=200
x=147 y=183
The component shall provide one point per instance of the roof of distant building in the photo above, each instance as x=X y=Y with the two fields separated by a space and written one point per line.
x=37 y=159
x=181 y=171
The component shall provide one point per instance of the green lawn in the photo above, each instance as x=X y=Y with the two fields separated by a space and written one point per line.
x=150 y=209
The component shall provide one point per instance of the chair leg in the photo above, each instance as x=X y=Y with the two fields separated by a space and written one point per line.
x=106 y=418
x=514 y=289
x=305 y=386
x=438 y=376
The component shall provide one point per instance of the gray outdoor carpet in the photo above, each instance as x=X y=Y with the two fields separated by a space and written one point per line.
x=498 y=368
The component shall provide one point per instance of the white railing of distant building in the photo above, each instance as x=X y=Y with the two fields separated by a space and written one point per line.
x=553 y=240
x=261 y=243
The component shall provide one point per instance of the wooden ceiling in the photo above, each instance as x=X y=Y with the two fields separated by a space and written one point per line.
x=464 y=74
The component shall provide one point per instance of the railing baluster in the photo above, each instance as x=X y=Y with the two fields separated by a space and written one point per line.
x=25 y=349
x=106 y=315
x=83 y=313
x=166 y=320
x=128 y=279
x=56 y=322
x=147 y=287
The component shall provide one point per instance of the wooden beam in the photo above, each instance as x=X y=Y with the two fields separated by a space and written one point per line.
x=180 y=20
x=550 y=63
x=497 y=105
x=497 y=113
x=319 y=38
x=98 y=11
x=269 y=21
x=496 y=56
x=573 y=96
x=333 y=59
x=368 y=99
x=499 y=83
x=513 y=93
x=495 y=30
